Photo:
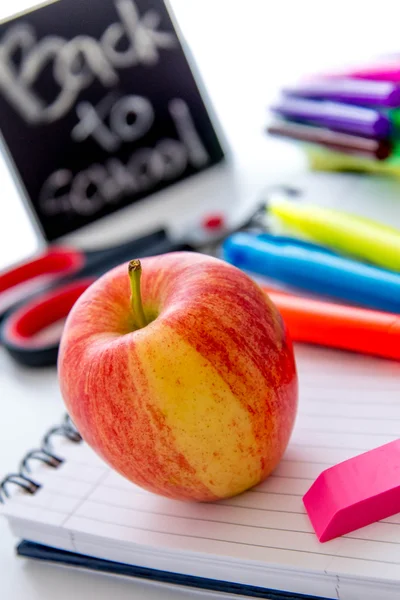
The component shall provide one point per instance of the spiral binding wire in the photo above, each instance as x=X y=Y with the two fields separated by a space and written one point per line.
x=40 y=454
x=24 y=482
x=44 y=454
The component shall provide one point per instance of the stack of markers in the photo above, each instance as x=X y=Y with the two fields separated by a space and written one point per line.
x=345 y=122
x=327 y=254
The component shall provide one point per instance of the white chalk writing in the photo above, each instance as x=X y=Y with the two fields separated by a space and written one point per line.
x=99 y=185
x=138 y=109
x=76 y=63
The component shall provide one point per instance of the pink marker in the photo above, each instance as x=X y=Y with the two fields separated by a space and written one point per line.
x=384 y=71
x=378 y=74
x=388 y=71
x=355 y=493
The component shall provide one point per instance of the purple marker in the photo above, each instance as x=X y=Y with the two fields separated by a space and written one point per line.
x=340 y=117
x=352 y=91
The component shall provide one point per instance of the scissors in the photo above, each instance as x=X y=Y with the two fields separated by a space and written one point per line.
x=36 y=296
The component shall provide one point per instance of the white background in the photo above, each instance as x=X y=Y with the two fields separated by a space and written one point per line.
x=245 y=51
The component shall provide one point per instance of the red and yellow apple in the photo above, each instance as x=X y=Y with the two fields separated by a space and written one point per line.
x=181 y=376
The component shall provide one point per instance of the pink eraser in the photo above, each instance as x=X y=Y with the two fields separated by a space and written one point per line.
x=355 y=493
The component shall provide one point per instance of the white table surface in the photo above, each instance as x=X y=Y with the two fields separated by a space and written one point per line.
x=245 y=51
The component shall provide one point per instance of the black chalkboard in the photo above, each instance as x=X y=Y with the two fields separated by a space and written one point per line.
x=99 y=108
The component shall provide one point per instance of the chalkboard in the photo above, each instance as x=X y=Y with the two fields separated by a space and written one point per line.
x=99 y=108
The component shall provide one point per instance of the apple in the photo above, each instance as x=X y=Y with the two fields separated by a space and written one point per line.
x=180 y=374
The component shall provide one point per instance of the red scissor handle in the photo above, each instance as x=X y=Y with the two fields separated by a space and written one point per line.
x=56 y=261
x=19 y=332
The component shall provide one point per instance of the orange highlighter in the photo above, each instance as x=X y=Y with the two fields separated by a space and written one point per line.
x=338 y=326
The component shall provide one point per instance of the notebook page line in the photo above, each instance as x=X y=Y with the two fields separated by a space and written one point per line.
x=85 y=497
x=296 y=542
x=345 y=425
x=263 y=518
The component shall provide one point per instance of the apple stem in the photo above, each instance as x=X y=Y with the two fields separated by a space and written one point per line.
x=135 y=272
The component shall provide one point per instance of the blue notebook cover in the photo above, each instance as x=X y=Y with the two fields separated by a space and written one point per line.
x=31 y=550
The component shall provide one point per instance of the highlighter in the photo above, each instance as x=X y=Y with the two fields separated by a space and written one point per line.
x=314 y=269
x=338 y=326
x=321 y=159
x=348 y=90
x=357 y=236
x=334 y=140
x=334 y=115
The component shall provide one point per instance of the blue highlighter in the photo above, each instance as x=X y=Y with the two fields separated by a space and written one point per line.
x=314 y=269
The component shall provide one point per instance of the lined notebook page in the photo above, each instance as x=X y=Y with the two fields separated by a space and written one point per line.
x=348 y=404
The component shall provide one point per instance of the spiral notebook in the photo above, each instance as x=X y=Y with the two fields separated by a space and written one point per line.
x=77 y=511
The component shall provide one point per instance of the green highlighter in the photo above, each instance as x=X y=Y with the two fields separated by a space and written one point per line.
x=394 y=116
x=356 y=236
